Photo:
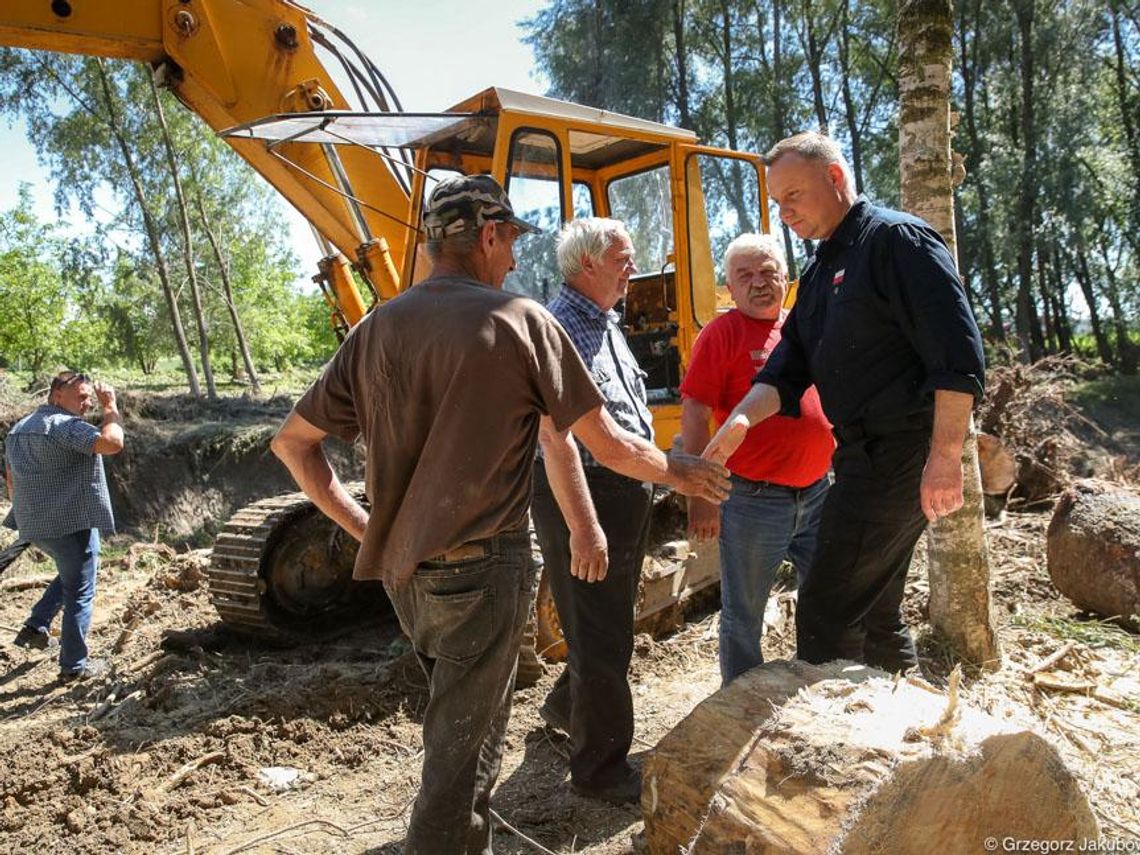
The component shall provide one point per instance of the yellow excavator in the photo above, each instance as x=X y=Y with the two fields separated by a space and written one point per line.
x=258 y=72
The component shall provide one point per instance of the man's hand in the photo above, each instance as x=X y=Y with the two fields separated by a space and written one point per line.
x=589 y=558
x=726 y=440
x=704 y=520
x=106 y=395
x=941 y=489
x=695 y=476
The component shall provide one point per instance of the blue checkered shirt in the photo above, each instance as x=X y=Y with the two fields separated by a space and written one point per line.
x=57 y=478
x=602 y=346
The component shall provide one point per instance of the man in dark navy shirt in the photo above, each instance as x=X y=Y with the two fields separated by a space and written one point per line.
x=883 y=329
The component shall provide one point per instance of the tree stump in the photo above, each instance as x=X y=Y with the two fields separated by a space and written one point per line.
x=1094 y=548
x=839 y=758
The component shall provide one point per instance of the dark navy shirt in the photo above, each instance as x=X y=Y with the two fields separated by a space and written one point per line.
x=881 y=321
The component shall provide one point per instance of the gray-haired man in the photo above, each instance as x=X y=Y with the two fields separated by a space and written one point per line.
x=591 y=699
x=447 y=383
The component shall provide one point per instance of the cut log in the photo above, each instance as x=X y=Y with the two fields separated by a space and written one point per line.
x=998 y=465
x=840 y=758
x=1094 y=548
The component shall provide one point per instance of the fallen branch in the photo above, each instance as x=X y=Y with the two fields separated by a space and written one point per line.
x=534 y=844
x=1052 y=659
x=263 y=838
x=26 y=583
x=1055 y=683
x=189 y=769
x=255 y=795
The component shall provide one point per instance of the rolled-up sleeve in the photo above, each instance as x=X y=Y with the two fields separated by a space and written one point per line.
x=787 y=369
x=930 y=304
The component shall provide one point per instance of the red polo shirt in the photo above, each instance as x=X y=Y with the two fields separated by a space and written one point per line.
x=726 y=356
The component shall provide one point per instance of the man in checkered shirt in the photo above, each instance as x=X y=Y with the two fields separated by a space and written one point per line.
x=591 y=700
x=60 y=503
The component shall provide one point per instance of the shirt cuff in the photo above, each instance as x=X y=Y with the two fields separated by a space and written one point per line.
x=949 y=381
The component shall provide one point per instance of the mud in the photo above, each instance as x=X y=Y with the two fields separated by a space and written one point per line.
x=166 y=752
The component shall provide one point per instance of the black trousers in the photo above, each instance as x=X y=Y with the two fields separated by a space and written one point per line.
x=850 y=602
x=597 y=620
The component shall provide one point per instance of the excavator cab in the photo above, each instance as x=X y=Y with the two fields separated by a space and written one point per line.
x=681 y=202
x=279 y=568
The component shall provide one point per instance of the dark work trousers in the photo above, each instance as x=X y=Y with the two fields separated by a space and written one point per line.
x=465 y=621
x=850 y=602
x=597 y=620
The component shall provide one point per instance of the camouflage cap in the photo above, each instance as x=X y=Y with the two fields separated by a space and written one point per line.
x=467 y=202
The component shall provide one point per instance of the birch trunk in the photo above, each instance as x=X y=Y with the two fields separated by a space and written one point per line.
x=960 y=602
x=153 y=237
x=188 y=245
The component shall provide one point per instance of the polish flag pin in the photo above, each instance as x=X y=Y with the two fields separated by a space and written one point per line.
x=837 y=279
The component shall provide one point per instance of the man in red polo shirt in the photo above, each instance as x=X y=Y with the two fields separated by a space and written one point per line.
x=780 y=472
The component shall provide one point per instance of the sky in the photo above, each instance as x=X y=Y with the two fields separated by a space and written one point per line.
x=435 y=53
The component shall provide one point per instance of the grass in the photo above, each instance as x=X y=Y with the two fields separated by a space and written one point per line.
x=1113 y=397
x=1091 y=633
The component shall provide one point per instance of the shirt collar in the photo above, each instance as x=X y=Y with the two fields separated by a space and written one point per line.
x=585 y=305
x=847 y=230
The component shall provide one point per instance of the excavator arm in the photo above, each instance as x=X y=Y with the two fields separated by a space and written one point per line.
x=233 y=61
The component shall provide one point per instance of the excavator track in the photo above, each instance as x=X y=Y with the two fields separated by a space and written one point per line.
x=282 y=571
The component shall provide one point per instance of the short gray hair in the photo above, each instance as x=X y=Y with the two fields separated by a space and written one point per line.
x=810 y=145
x=458 y=245
x=587 y=237
x=767 y=245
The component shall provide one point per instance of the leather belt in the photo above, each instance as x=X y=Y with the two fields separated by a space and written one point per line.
x=482 y=547
x=463 y=552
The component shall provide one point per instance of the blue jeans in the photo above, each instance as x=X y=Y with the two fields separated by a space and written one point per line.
x=465 y=620
x=76 y=557
x=761 y=524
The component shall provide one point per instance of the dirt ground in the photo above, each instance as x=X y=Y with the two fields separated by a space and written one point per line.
x=169 y=752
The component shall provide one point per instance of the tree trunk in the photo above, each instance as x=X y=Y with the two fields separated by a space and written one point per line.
x=684 y=114
x=1125 y=353
x=779 y=111
x=793 y=758
x=152 y=235
x=814 y=47
x=849 y=111
x=188 y=243
x=960 y=604
x=972 y=77
x=1093 y=549
x=1028 y=329
x=231 y=304
x=1084 y=280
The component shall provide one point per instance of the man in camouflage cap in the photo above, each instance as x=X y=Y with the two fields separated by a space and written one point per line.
x=449 y=384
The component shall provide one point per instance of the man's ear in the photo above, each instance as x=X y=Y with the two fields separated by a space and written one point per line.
x=838 y=176
x=488 y=236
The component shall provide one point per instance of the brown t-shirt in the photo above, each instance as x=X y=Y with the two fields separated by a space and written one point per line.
x=446 y=384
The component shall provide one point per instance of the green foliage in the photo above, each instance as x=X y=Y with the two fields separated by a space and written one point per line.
x=113 y=309
x=33 y=291
x=746 y=74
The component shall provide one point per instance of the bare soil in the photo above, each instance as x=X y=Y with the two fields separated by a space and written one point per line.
x=167 y=752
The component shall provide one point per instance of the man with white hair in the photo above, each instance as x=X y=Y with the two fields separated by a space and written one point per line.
x=780 y=471
x=591 y=699
x=883 y=329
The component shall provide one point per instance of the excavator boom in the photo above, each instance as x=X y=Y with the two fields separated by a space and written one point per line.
x=233 y=62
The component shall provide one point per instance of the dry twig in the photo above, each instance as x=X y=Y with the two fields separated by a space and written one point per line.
x=1052 y=659
x=249 y=844
x=534 y=844
x=189 y=769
